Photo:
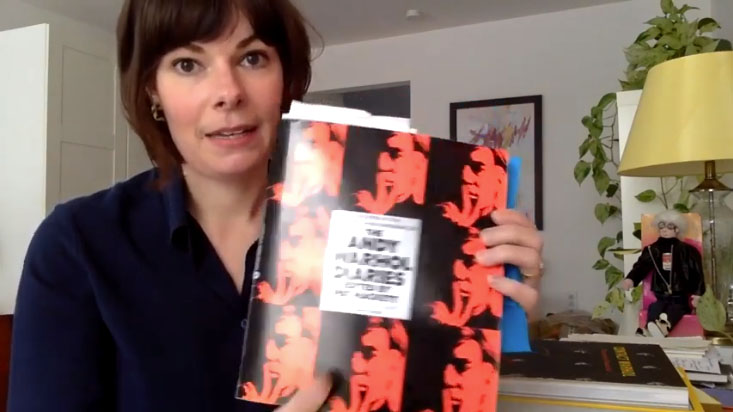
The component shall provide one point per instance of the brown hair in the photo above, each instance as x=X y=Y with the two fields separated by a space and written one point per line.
x=148 y=29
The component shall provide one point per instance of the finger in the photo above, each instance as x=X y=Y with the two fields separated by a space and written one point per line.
x=526 y=259
x=525 y=295
x=310 y=398
x=512 y=234
x=511 y=217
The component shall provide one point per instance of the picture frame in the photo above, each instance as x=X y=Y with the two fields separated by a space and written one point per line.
x=513 y=123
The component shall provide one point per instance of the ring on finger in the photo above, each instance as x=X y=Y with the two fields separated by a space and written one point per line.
x=533 y=274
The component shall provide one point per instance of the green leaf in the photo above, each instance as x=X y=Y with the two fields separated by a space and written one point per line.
x=637 y=230
x=620 y=236
x=711 y=47
x=635 y=79
x=691 y=49
x=612 y=189
x=646 y=35
x=601 y=264
x=599 y=154
x=684 y=9
x=663 y=23
x=670 y=41
x=601 y=309
x=616 y=298
x=595 y=130
x=681 y=208
x=602 y=212
x=583 y=149
x=582 y=170
x=606 y=100
x=587 y=121
x=711 y=312
x=685 y=31
x=636 y=53
x=613 y=276
x=707 y=25
x=702 y=41
x=596 y=112
x=601 y=179
x=613 y=211
x=724 y=45
x=646 y=196
x=668 y=7
x=605 y=243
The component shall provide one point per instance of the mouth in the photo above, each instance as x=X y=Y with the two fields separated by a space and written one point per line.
x=232 y=133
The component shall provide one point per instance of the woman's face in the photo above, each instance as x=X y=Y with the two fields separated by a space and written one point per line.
x=221 y=101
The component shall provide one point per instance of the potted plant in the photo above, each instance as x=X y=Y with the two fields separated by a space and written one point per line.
x=669 y=36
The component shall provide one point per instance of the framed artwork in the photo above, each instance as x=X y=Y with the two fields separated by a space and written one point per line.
x=515 y=124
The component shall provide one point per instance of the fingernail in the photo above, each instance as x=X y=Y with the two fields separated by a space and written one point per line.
x=482 y=256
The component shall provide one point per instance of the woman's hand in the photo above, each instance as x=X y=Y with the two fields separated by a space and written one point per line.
x=514 y=240
x=310 y=398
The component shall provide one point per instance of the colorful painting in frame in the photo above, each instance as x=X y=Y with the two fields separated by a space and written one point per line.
x=513 y=123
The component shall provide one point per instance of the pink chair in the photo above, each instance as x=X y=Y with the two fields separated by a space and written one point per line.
x=689 y=325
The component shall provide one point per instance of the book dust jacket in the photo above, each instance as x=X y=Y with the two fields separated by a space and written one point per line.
x=366 y=265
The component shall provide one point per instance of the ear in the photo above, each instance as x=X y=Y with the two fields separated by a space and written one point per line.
x=152 y=95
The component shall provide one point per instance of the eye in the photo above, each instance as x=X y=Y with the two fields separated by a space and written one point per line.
x=255 y=59
x=186 y=66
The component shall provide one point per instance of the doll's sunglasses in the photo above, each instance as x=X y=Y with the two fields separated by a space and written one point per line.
x=670 y=226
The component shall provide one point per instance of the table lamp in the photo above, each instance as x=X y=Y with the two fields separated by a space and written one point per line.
x=684 y=126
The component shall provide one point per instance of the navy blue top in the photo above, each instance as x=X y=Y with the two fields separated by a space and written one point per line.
x=124 y=305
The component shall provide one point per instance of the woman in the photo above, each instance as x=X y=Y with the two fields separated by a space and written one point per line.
x=134 y=298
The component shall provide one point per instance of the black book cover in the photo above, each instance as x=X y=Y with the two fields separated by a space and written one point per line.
x=366 y=265
x=594 y=362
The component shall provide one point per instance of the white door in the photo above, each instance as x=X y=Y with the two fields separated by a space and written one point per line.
x=61 y=131
x=87 y=135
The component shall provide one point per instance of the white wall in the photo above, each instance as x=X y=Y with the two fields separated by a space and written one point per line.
x=570 y=57
x=22 y=204
x=14 y=14
x=723 y=13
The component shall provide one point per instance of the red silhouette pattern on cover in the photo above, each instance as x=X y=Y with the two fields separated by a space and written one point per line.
x=291 y=366
x=378 y=369
x=317 y=164
x=482 y=193
x=471 y=382
x=472 y=294
x=399 y=178
x=300 y=264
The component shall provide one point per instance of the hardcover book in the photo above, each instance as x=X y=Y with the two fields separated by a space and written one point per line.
x=366 y=265
x=634 y=374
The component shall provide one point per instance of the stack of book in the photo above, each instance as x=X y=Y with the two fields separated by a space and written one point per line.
x=697 y=356
x=594 y=375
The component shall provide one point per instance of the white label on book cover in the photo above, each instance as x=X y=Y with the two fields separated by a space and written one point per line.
x=370 y=264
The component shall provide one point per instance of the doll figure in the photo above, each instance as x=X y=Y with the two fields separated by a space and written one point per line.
x=676 y=274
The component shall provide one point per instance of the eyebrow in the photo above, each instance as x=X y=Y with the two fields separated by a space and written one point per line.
x=242 y=44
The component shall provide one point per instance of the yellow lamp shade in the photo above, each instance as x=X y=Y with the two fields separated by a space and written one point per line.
x=684 y=118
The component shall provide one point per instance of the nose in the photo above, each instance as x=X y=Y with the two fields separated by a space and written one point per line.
x=229 y=89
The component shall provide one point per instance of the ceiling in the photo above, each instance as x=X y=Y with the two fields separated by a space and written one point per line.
x=345 y=21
